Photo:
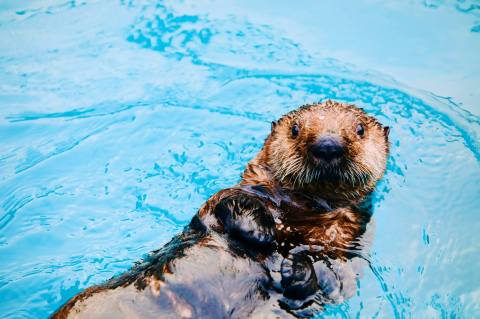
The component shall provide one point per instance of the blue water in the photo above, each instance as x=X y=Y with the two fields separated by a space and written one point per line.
x=119 y=119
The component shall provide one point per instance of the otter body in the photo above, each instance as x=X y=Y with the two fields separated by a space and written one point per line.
x=196 y=275
x=284 y=241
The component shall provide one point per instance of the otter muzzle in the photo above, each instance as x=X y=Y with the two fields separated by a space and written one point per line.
x=327 y=149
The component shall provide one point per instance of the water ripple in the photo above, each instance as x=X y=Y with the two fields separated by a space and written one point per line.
x=114 y=133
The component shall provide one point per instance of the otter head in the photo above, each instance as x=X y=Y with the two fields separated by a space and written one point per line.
x=331 y=146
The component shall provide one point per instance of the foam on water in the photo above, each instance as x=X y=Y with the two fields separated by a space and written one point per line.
x=117 y=120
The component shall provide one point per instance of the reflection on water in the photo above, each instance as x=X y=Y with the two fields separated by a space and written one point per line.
x=116 y=126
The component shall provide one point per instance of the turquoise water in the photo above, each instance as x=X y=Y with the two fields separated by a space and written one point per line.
x=119 y=119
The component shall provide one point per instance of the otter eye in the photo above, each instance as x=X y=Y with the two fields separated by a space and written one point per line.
x=295 y=130
x=360 y=130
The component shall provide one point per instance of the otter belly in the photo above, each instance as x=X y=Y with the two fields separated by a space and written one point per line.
x=121 y=302
x=209 y=280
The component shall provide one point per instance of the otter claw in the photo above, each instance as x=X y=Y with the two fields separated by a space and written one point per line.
x=298 y=277
x=246 y=219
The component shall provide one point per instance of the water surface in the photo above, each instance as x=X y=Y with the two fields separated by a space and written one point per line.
x=119 y=119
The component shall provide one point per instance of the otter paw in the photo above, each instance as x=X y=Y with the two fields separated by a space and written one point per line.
x=246 y=219
x=298 y=277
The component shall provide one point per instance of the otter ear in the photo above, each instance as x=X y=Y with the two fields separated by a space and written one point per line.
x=386 y=130
x=274 y=123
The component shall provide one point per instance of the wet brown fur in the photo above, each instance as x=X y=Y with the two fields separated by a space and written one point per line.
x=293 y=181
x=313 y=205
x=284 y=161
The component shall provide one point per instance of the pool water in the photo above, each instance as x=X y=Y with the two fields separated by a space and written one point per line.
x=119 y=119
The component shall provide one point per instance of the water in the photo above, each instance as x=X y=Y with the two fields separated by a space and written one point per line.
x=118 y=119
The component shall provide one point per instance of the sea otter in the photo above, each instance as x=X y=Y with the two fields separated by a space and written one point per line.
x=281 y=239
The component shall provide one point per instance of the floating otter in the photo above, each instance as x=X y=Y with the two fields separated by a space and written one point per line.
x=279 y=243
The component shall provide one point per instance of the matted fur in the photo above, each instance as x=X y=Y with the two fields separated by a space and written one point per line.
x=285 y=160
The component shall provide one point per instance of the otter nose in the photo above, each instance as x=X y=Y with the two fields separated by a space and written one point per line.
x=327 y=148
